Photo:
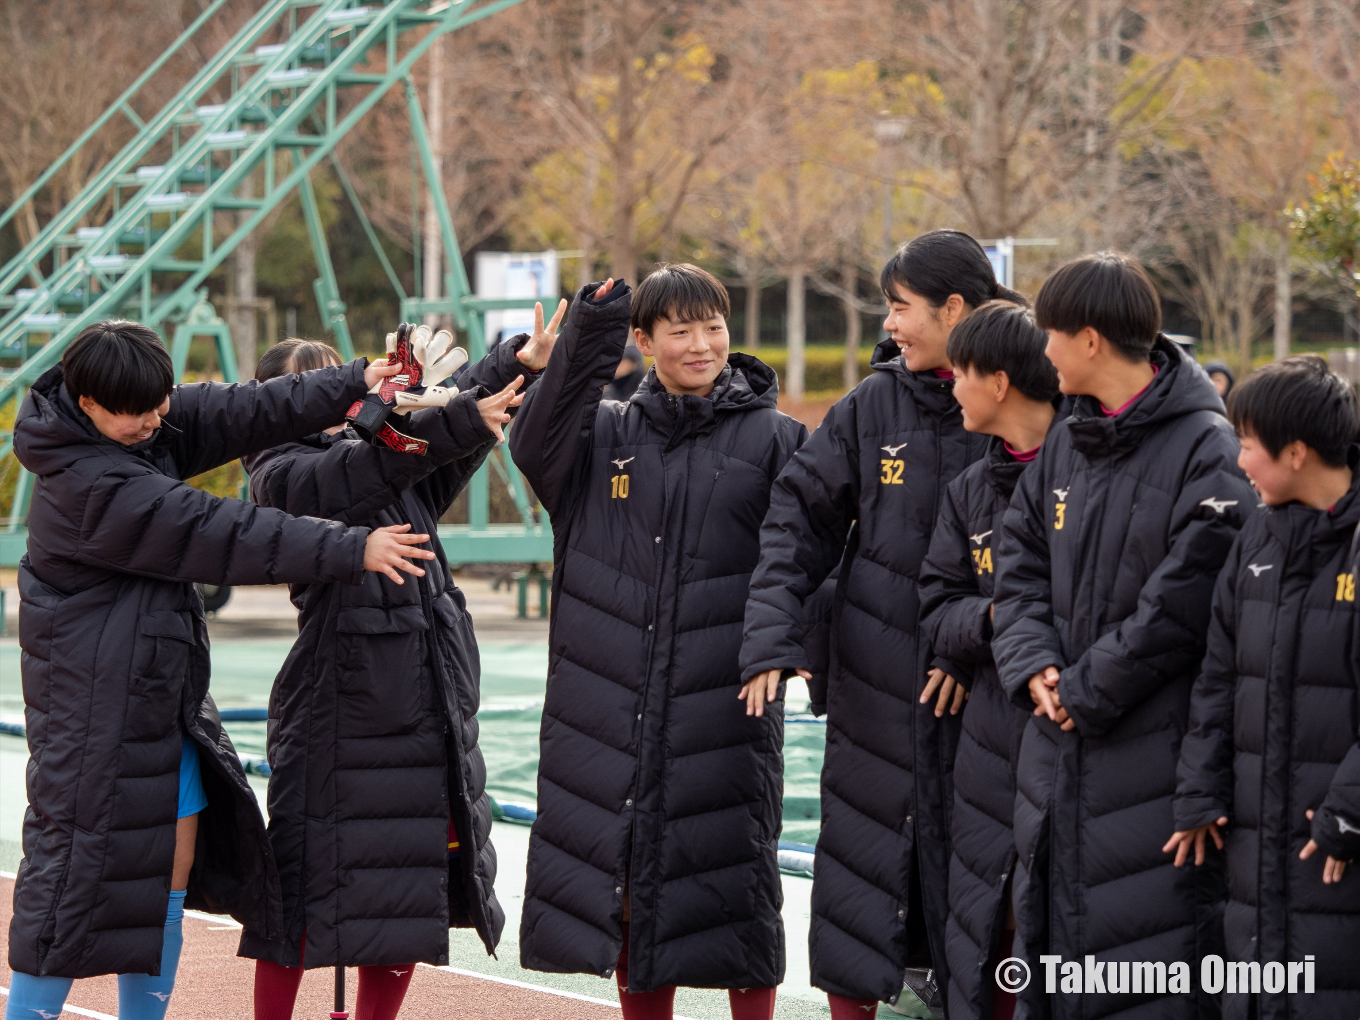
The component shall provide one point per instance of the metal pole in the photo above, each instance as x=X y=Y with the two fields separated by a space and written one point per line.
x=327 y=289
x=340 y=1013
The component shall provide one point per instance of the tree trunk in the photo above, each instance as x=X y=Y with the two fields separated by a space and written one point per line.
x=796 y=334
x=849 y=278
x=622 y=256
x=1246 y=325
x=753 y=309
x=1284 y=298
x=434 y=239
x=241 y=317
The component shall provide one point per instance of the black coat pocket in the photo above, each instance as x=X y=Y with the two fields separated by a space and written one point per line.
x=382 y=659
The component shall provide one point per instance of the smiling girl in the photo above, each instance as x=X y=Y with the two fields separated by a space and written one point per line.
x=864 y=493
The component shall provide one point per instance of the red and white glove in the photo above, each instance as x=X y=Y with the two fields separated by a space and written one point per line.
x=418 y=354
x=437 y=359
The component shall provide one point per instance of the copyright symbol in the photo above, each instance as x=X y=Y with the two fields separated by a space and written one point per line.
x=1012 y=974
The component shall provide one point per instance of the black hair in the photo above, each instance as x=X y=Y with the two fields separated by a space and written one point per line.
x=1001 y=336
x=1298 y=398
x=122 y=366
x=680 y=292
x=944 y=262
x=1111 y=293
x=295 y=355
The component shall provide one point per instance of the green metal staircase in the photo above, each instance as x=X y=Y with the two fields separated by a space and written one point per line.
x=141 y=238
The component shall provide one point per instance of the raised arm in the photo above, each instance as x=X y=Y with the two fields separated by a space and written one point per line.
x=954 y=614
x=214 y=423
x=559 y=411
x=154 y=526
x=1163 y=638
x=814 y=501
x=1204 y=774
x=1025 y=641
x=350 y=481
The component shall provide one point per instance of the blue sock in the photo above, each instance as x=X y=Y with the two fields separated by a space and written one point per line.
x=141 y=996
x=35 y=998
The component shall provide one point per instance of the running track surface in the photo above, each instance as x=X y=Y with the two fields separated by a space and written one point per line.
x=215 y=984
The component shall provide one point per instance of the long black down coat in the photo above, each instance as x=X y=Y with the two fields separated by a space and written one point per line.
x=652 y=778
x=957 y=582
x=115 y=662
x=373 y=717
x=1273 y=723
x=1105 y=569
x=865 y=492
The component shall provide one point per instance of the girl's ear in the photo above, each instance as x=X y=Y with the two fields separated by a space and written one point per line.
x=643 y=342
x=954 y=309
x=1001 y=383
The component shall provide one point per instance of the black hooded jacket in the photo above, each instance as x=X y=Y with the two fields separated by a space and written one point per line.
x=1274 y=717
x=373 y=717
x=652 y=779
x=957 y=582
x=864 y=492
x=115 y=662
x=1105 y=569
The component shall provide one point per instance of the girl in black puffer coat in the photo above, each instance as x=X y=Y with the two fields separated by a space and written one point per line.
x=1106 y=563
x=1006 y=388
x=1272 y=748
x=865 y=493
x=655 y=850
x=376 y=772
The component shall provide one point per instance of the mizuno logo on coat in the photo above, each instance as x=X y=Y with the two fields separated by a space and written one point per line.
x=1257 y=569
x=891 y=451
x=978 y=538
x=621 y=464
x=1218 y=505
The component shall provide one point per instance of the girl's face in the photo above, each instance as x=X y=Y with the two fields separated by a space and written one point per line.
x=688 y=356
x=1275 y=479
x=979 y=396
x=128 y=429
x=921 y=330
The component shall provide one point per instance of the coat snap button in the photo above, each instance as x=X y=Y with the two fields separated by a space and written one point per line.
x=639 y=717
x=908 y=818
x=658 y=539
x=618 y=889
x=649 y=626
x=901 y=913
x=629 y=802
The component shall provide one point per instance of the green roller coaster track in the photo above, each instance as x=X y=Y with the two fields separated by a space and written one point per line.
x=268 y=106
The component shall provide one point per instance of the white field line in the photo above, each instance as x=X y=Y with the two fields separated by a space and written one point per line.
x=68 y=1008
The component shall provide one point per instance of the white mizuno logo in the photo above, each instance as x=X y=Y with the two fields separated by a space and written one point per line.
x=46 y=1015
x=1257 y=569
x=978 y=538
x=620 y=464
x=399 y=973
x=1061 y=493
x=891 y=451
x=160 y=995
x=1218 y=505
x=1345 y=826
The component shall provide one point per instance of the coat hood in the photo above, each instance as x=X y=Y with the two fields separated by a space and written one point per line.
x=744 y=384
x=1000 y=470
x=1302 y=529
x=51 y=432
x=932 y=394
x=1181 y=387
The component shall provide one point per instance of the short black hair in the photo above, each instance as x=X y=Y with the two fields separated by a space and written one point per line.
x=295 y=355
x=1001 y=336
x=1111 y=293
x=680 y=292
x=943 y=262
x=122 y=366
x=1297 y=399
